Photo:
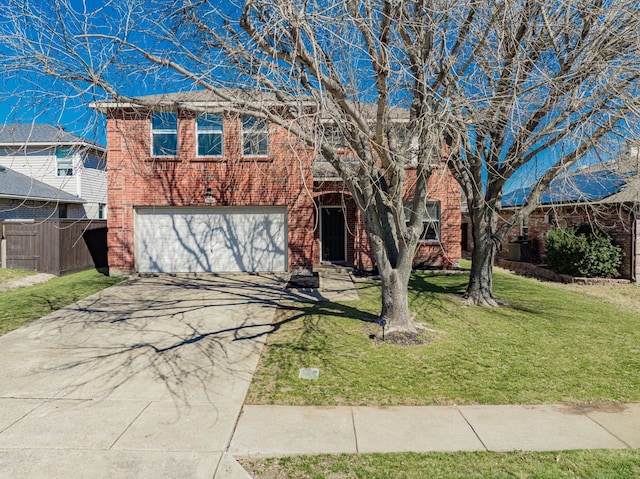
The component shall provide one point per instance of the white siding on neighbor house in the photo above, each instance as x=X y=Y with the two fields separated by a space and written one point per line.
x=93 y=184
x=40 y=163
x=210 y=239
x=88 y=183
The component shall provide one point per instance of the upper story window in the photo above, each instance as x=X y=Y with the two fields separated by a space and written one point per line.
x=430 y=221
x=255 y=137
x=333 y=134
x=164 y=133
x=64 y=161
x=209 y=132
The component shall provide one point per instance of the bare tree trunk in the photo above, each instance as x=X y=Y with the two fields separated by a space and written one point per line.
x=480 y=288
x=395 y=299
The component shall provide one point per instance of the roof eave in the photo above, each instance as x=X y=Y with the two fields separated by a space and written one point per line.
x=54 y=143
x=36 y=198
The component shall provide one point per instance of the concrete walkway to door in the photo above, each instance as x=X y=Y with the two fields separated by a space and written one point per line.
x=145 y=379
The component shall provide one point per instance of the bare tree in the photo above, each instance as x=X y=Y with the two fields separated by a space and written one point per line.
x=506 y=84
x=539 y=87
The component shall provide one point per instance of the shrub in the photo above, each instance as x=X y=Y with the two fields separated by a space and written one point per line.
x=582 y=251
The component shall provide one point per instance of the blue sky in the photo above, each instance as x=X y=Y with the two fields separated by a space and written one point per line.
x=23 y=104
x=29 y=97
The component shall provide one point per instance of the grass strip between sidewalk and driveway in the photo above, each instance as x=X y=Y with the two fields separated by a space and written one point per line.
x=22 y=305
x=593 y=464
x=547 y=344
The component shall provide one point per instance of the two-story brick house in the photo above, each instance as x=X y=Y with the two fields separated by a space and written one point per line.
x=196 y=187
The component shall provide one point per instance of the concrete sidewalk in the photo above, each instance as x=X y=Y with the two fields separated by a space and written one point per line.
x=285 y=430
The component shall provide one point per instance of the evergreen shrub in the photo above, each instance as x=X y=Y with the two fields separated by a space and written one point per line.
x=584 y=251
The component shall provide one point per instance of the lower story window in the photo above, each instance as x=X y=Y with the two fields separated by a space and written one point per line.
x=430 y=222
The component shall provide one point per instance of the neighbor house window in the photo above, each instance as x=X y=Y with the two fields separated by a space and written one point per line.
x=255 y=137
x=430 y=222
x=64 y=161
x=164 y=133
x=209 y=130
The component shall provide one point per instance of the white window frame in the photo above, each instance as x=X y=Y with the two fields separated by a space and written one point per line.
x=65 y=163
x=334 y=136
x=263 y=130
x=163 y=131
x=427 y=220
x=209 y=130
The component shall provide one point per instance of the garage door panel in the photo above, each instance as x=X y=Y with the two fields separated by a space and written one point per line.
x=211 y=239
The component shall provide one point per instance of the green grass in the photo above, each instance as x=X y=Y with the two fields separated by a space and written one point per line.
x=548 y=344
x=596 y=464
x=22 y=305
x=7 y=275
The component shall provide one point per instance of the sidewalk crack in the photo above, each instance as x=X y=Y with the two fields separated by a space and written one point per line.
x=472 y=428
x=129 y=425
x=355 y=433
x=607 y=430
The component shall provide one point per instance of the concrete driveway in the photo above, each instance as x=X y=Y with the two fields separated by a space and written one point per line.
x=145 y=379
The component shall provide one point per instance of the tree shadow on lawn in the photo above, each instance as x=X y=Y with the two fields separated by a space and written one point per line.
x=513 y=294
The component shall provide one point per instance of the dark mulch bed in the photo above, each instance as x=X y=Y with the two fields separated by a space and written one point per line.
x=403 y=339
x=304 y=281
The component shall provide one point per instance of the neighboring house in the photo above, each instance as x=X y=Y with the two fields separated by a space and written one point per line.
x=215 y=191
x=606 y=196
x=22 y=197
x=60 y=159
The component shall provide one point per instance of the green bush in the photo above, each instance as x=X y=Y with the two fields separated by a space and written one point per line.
x=582 y=251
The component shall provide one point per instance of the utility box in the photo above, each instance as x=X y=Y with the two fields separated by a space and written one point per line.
x=520 y=251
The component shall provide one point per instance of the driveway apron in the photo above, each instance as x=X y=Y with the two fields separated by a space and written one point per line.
x=145 y=379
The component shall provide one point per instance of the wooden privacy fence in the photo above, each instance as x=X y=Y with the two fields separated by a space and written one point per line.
x=57 y=246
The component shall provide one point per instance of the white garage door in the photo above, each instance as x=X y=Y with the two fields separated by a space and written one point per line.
x=194 y=240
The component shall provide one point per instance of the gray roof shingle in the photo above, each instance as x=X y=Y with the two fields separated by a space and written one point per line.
x=23 y=134
x=237 y=96
x=15 y=185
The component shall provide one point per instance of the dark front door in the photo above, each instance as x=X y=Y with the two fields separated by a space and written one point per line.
x=333 y=234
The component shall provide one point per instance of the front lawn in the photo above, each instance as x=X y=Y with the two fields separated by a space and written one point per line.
x=548 y=344
x=22 y=305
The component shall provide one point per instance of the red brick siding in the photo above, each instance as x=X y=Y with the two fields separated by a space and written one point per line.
x=284 y=178
x=613 y=219
x=442 y=187
x=137 y=179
